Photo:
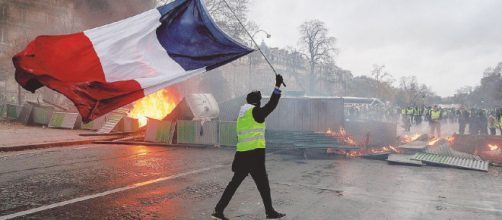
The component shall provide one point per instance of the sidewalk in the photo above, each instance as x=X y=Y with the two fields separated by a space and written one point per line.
x=15 y=136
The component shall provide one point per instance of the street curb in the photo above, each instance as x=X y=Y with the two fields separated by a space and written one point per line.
x=53 y=144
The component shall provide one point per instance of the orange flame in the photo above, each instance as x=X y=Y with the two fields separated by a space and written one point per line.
x=433 y=141
x=373 y=150
x=342 y=136
x=405 y=139
x=156 y=105
x=493 y=147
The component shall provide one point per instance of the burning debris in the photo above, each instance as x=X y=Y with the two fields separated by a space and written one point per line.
x=156 y=106
x=405 y=139
x=369 y=152
x=492 y=153
x=449 y=152
x=343 y=137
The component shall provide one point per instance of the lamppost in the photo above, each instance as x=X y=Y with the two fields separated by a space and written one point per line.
x=258 y=31
x=252 y=46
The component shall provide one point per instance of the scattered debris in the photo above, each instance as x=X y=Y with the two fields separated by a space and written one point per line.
x=112 y=121
x=160 y=131
x=404 y=159
x=376 y=156
x=413 y=147
x=64 y=120
x=405 y=139
x=449 y=161
x=445 y=150
x=25 y=114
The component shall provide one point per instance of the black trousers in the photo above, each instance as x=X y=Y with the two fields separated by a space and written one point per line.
x=248 y=163
x=493 y=131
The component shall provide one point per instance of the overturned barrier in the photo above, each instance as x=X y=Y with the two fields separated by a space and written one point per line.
x=94 y=124
x=129 y=124
x=160 y=131
x=65 y=120
x=25 y=114
x=13 y=111
x=41 y=115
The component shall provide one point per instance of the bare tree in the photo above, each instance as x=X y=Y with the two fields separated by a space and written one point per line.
x=412 y=90
x=317 y=46
x=380 y=75
x=383 y=80
x=225 y=19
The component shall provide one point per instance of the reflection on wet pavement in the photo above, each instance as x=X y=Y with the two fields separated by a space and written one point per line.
x=182 y=183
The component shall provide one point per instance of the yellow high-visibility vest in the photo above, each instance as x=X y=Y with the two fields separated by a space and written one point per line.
x=492 y=122
x=435 y=115
x=250 y=134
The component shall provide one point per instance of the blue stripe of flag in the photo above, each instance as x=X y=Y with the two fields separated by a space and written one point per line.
x=192 y=39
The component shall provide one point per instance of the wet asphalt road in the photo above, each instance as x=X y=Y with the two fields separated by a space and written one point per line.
x=145 y=182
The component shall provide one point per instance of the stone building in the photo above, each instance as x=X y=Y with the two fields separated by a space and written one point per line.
x=20 y=22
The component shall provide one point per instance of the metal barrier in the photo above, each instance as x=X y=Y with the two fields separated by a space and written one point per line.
x=160 y=131
x=64 y=120
x=196 y=132
x=228 y=133
x=13 y=111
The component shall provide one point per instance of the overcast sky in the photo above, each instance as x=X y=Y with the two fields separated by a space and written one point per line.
x=446 y=43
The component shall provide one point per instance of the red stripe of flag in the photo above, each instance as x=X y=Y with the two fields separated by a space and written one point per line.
x=69 y=64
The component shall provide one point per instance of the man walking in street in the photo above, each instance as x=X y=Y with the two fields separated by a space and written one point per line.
x=250 y=155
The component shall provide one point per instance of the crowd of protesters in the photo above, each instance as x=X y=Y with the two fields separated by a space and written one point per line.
x=473 y=121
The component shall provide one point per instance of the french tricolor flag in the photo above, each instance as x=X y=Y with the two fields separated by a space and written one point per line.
x=104 y=68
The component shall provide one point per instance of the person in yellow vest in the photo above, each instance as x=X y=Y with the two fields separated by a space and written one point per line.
x=250 y=155
x=406 y=114
x=500 y=120
x=435 y=122
x=492 y=124
x=500 y=125
x=417 y=115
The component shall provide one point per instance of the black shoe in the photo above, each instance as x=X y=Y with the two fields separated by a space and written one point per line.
x=218 y=216
x=275 y=215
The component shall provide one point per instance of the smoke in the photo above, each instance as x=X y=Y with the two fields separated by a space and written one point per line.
x=94 y=13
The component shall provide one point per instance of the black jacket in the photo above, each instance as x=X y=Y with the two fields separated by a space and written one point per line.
x=260 y=113
x=245 y=161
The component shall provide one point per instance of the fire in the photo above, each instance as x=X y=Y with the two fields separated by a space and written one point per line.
x=373 y=150
x=156 y=105
x=433 y=141
x=451 y=140
x=408 y=139
x=493 y=147
x=342 y=136
x=329 y=131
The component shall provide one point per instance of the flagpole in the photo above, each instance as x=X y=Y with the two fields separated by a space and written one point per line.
x=252 y=39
